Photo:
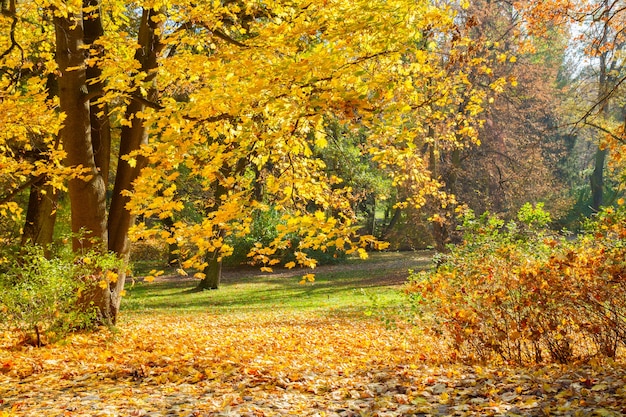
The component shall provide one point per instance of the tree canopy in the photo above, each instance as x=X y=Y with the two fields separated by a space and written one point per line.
x=237 y=95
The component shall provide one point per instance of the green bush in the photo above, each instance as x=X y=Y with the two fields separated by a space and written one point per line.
x=523 y=293
x=39 y=297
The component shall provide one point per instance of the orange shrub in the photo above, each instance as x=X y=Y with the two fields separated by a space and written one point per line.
x=525 y=294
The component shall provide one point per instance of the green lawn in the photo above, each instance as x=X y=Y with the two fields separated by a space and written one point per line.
x=348 y=287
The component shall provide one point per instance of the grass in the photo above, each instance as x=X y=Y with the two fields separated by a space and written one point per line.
x=353 y=286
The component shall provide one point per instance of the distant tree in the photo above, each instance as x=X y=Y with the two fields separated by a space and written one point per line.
x=516 y=157
x=598 y=44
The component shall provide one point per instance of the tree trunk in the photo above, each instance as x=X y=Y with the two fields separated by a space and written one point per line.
x=597 y=177
x=439 y=233
x=98 y=112
x=597 y=180
x=87 y=194
x=40 y=215
x=86 y=138
x=212 y=273
x=172 y=248
x=132 y=138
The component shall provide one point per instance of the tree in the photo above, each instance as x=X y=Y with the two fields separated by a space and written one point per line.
x=520 y=143
x=514 y=159
x=236 y=92
x=600 y=43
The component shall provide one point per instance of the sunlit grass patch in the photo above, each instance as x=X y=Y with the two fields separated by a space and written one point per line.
x=347 y=287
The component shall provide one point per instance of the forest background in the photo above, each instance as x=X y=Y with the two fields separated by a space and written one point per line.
x=292 y=134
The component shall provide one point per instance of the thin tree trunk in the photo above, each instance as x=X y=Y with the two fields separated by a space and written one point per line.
x=98 y=112
x=42 y=200
x=40 y=215
x=440 y=233
x=132 y=138
x=392 y=223
x=597 y=180
x=212 y=273
x=172 y=248
x=597 y=177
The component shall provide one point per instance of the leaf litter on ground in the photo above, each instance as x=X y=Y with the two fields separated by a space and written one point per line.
x=268 y=360
x=285 y=363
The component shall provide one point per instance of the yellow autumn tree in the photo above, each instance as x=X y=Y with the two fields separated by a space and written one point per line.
x=235 y=94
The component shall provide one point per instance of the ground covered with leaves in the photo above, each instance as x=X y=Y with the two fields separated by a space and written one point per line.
x=273 y=361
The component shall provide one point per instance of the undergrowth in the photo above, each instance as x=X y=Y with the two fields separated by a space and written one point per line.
x=40 y=296
x=528 y=295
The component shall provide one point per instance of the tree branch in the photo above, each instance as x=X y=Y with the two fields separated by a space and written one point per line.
x=605 y=130
x=21 y=188
x=14 y=44
x=227 y=38
x=602 y=100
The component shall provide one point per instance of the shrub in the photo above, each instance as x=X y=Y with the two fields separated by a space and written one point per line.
x=520 y=292
x=39 y=296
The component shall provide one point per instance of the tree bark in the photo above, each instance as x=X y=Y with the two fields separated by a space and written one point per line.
x=397 y=213
x=87 y=194
x=212 y=273
x=40 y=215
x=132 y=138
x=98 y=112
x=597 y=180
x=172 y=248
x=597 y=177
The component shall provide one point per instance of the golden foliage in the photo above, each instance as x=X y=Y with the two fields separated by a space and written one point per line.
x=245 y=90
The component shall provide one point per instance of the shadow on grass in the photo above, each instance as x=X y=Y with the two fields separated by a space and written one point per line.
x=338 y=287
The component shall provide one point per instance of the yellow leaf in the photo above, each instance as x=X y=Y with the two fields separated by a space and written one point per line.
x=103 y=284
x=149 y=278
x=111 y=276
x=603 y=412
x=290 y=265
x=444 y=398
x=320 y=139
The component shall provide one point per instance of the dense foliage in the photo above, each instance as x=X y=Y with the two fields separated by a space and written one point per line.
x=524 y=294
x=43 y=298
x=116 y=105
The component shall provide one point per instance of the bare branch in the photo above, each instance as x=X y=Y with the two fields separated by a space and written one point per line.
x=227 y=38
x=605 y=130
x=14 y=44
x=601 y=101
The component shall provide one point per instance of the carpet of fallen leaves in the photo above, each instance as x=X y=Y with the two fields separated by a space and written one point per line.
x=284 y=363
